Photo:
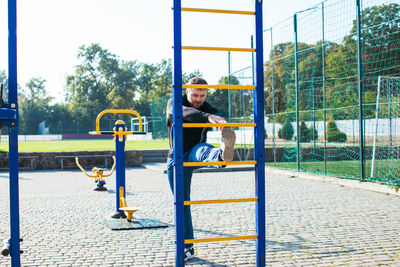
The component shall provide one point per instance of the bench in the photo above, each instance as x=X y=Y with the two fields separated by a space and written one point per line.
x=62 y=157
x=32 y=159
x=21 y=158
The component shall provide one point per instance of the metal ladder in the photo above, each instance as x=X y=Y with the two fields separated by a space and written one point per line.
x=259 y=151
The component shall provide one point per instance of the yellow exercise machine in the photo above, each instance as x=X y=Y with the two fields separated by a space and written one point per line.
x=98 y=175
x=120 y=134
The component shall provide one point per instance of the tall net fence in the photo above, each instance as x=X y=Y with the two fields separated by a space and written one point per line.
x=385 y=159
x=158 y=117
x=331 y=90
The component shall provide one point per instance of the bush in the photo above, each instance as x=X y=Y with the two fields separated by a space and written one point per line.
x=332 y=132
x=314 y=133
x=287 y=131
x=342 y=137
x=305 y=133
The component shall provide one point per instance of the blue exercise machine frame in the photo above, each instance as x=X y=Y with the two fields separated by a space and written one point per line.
x=9 y=118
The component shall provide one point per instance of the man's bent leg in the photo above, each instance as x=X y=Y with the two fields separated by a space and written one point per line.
x=204 y=152
x=187 y=180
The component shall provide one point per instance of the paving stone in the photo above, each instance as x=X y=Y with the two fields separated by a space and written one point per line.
x=308 y=222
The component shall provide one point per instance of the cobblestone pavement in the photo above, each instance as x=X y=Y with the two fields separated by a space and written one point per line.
x=308 y=222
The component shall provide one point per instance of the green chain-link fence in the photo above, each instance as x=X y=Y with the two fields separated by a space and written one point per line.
x=333 y=72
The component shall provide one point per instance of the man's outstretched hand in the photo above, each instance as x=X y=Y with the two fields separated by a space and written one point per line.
x=217 y=119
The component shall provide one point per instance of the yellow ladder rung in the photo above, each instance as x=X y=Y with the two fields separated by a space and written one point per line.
x=252 y=87
x=218 y=11
x=218 y=201
x=192 y=241
x=218 y=48
x=202 y=125
x=197 y=164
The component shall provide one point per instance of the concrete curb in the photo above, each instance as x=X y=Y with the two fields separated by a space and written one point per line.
x=371 y=186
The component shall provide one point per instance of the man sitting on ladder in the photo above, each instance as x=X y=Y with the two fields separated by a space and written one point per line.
x=195 y=109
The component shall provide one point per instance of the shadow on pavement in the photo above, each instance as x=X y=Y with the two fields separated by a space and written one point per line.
x=300 y=245
x=204 y=262
x=6 y=176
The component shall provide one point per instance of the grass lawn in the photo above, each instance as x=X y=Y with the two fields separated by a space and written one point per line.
x=349 y=169
x=83 y=145
x=338 y=168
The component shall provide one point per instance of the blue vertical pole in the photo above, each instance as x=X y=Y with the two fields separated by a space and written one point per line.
x=259 y=144
x=120 y=164
x=13 y=134
x=178 y=137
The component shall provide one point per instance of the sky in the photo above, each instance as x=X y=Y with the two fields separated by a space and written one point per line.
x=50 y=32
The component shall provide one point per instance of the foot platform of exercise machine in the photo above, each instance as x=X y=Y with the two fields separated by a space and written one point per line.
x=117 y=221
x=135 y=223
x=100 y=186
x=129 y=212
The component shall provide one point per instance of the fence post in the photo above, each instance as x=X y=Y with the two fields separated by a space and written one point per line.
x=273 y=100
x=296 y=63
x=360 y=79
x=323 y=81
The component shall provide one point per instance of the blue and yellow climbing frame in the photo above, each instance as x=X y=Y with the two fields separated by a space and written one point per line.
x=258 y=125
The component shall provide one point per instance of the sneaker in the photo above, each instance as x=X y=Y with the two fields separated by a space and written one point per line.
x=228 y=144
x=189 y=253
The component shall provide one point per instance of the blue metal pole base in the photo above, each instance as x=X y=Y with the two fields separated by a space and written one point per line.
x=100 y=187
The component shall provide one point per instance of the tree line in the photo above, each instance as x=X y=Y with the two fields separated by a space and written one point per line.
x=380 y=57
x=103 y=81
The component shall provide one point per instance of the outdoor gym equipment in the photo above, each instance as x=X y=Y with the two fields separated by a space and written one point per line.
x=98 y=175
x=259 y=151
x=120 y=135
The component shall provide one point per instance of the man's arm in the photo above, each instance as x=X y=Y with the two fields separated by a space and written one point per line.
x=194 y=115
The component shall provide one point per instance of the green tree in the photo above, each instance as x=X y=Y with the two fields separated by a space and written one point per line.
x=155 y=82
x=305 y=133
x=34 y=104
x=341 y=76
x=219 y=97
x=4 y=80
x=58 y=118
x=314 y=133
x=281 y=62
x=101 y=81
x=333 y=134
x=287 y=131
x=381 y=39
